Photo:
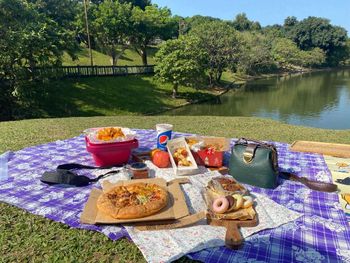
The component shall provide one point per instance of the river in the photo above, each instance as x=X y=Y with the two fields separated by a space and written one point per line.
x=318 y=99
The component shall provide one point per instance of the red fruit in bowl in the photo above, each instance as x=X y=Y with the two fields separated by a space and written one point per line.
x=161 y=159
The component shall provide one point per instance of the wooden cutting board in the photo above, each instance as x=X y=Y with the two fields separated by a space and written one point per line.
x=332 y=149
x=233 y=238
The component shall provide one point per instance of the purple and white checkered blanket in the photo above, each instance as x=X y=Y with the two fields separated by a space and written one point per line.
x=320 y=235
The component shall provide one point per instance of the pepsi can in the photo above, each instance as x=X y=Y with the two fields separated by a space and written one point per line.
x=163 y=135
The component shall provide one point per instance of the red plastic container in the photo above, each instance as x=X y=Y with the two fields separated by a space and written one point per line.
x=107 y=154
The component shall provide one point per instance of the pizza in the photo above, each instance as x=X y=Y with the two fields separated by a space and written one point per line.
x=133 y=200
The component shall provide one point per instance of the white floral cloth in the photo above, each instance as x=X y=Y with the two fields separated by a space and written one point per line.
x=169 y=245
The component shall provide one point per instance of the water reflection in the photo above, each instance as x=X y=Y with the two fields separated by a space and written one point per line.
x=320 y=99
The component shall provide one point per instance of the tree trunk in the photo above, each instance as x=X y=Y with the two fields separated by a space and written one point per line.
x=218 y=77
x=175 y=87
x=124 y=47
x=143 y=52
x=113 y=54
x=210 y=79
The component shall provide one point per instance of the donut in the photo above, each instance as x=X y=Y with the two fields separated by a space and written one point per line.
x=248 y=201
x=220 y=205
x=239 y=201
x=230 y=200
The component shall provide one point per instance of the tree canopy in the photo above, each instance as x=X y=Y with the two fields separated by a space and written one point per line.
x=150 y=24
x=220 y=44
x=30 y=36
x=179 y=61
x=112 y=26
x=315 y=32
x=242 y=23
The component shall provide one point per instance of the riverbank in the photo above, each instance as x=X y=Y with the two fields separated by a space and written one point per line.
x=43 y=239
x=239 y=79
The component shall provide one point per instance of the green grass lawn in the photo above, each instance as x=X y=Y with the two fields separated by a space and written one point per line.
x=129 y=58
x=28 y=238
x=96 y=96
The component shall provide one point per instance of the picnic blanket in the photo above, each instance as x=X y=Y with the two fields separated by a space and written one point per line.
x=321 y=234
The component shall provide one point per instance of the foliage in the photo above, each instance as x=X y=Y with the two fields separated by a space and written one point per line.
x=179 y=62
x=30 y=35
x=255 y=54
x=140 y=3
x=220 y=44
x=149 y=24
x=194 y=21
x=288 y=56
x=286 y=53
x=318 y=32
x=242 y=23
x=290 y=21
x=313 y=58
x=112 y=27
x=63 y=13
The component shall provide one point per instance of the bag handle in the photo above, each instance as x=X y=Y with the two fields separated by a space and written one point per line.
x=314 y=185
x=251 y=147
x=259 y=143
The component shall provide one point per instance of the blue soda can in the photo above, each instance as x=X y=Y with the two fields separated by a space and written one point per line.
x=163 y=135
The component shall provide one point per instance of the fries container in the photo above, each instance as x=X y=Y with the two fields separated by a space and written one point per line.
x=211 y=152
x=108 y=154
x=174 y=144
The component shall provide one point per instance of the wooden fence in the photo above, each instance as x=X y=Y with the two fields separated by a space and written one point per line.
x=92 y=71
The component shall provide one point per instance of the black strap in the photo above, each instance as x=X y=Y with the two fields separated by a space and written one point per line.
x=64 y=175
x=71 y=166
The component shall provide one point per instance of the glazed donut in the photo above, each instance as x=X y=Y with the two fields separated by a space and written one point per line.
x=239 y=201
x=220 y=205
x=248 y=201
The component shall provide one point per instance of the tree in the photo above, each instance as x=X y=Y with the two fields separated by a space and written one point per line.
x=286 y=53
x=290 y=21
x=288 y=56
x=149 y=24
x=255 y=54
x=63 y=13
x=196 y=20
x=112 y=27
x=318 y=32
x=220 y=44
x=28 y=37
x=140 y=3
x=313 y=58
x=242 y=23
x=274 y=31
x=179 y=61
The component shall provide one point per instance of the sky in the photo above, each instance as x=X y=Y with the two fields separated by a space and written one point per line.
x=267 y=12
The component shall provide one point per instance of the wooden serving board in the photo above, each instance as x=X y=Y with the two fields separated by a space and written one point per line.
x=332 y=149
x=233 y=238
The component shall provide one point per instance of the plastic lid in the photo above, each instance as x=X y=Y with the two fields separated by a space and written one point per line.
x=138 y=166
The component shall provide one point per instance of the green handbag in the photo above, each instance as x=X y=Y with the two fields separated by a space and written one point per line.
x=255 y=163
